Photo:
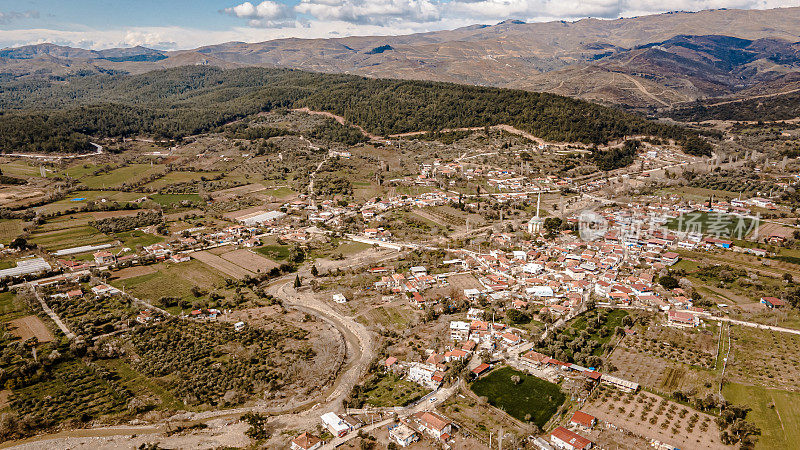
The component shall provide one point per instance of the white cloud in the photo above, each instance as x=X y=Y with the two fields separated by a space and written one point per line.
x=376 y=12
x=265 y=14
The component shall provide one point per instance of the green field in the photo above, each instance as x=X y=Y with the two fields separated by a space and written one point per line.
x=171 y=280
x=10 y=229
x=533 y=396
x=775 y=412
x=167 y=200
x=275 y=252
x=726 y=226
x=391 y=390
x=120 y=176
x=280 y=193
x=68 y=203
x=350 y=248
x=69 y=237
x=11 y=307
x=19 y=169
x=179 y=177
x=133 y=238
x=386 y=315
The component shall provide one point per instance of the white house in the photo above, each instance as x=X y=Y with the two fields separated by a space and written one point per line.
x=459 y=331
x=403 y=435
x=540 y=291
x=335 y=424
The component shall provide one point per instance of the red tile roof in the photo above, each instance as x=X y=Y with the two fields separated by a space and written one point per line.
x=583 y=419
x=575 y=440
x=481 y=369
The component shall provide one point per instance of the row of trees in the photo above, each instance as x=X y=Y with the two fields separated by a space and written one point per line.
x=127 y=223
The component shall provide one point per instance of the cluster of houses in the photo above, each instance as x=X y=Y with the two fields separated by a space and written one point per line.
x=373 y=208
x=404 y=432
x=413 y=283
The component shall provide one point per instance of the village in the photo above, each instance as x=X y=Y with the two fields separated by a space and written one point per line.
x=471 y=300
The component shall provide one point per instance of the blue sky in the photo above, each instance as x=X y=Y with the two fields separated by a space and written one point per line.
x=181 y=24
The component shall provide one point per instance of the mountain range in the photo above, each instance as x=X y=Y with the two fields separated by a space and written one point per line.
x=649 y=62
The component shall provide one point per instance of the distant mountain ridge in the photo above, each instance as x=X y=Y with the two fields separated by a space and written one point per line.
x=644 y=62
x=133 y=54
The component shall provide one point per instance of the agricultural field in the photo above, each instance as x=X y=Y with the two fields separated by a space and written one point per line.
x=121 y=176
x=78 y=199
x=19 y=169
x=531 y=400
x=392 y=390
x=28 y=327
x=659 y=374
x=172 y=280
x=88 y=317
x=398 y=317
x=135 y=238
x=280 y=193
x=203 y=369
x=69 y=237
x=276 y=252
x=715 y=224
x=10 y=229
x=11 y=307
x=454 y=217
x=480 y=419
x=223 y=266
x=175 y=200
x=695 y=347
x=179 y=177
x=775 y=412
x=765 y=358
x=646 y=414
x=74 y=390
x=247 y=259
x=587 y=338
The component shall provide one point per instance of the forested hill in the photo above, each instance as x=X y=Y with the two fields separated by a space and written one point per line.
x=778 y=107
x=61 y=115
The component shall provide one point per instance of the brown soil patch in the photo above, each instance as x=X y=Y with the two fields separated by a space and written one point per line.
x=233 y=215
x=249 y=260
x=4 y=396
x=30 y=326
x=136 y=271
x=770 y=229
x=222 y=265
x=237 y=191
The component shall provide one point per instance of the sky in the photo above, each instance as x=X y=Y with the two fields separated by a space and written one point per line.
x=185 y=24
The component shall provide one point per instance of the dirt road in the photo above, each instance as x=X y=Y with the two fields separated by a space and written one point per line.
x=356 y=334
